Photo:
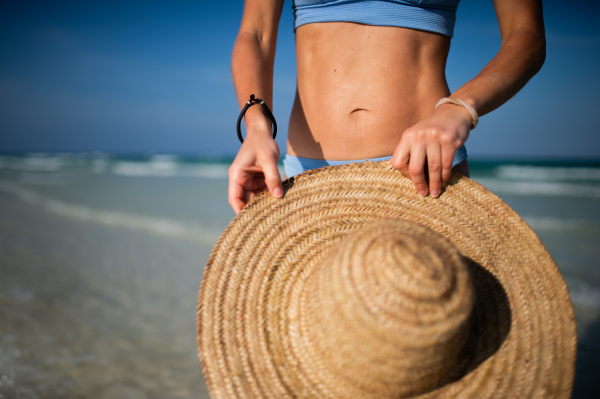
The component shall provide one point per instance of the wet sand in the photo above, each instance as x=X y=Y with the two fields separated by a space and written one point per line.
x=93 y=311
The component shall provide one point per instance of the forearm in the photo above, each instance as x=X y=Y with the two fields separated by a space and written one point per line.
x=253 y=57
x=521 y=56
x=252 y=68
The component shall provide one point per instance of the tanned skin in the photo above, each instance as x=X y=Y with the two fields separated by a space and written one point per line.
x=369 y=91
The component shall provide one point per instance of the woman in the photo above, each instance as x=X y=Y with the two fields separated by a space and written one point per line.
x=369 y=77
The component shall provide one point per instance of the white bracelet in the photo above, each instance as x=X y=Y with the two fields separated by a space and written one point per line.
x=456 y=101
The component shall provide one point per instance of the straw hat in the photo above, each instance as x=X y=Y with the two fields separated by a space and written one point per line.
x=354 y=286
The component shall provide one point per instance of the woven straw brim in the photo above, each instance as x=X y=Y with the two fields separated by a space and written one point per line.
x=523 y=337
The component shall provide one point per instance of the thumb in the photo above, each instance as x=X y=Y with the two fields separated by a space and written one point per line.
x=273 y=179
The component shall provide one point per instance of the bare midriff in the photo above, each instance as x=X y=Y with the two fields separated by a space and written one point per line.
x=361 y=86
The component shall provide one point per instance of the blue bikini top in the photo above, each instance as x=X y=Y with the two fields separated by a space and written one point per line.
x=436 y=16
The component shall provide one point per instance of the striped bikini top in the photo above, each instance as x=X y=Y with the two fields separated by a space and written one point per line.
x=436 y=16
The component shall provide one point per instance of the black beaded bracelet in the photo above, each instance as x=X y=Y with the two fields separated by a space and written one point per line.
x=251 y=102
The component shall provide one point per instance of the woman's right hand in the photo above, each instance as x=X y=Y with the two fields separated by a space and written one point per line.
x=255 y=168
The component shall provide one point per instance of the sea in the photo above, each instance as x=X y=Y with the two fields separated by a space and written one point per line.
x=101 y=256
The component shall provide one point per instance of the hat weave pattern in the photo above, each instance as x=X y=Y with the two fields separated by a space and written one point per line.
x=255 y=332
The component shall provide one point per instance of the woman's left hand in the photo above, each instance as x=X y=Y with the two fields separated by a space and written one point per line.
x=432 y=142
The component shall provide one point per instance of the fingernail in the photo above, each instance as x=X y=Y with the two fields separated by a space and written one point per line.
x=423 y=192
x=435 y=193
x=277 y=192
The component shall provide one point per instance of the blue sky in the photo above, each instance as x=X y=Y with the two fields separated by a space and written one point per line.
x=150 y=76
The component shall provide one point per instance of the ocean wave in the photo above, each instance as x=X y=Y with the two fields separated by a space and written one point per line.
x=561 y=225
x=48 y=162
x=160 y=226
x=583 y=294
x=546 y=173
x=33 y=163
x=540 y=188
x=169 y=168
x=159 y=165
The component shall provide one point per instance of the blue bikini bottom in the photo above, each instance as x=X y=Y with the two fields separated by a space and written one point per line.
x=295 y=165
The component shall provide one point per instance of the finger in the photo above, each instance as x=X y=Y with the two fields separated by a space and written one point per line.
x=401 y=157
x=434 y=167
x=416 y=168
x=273 y=178
x=236 y=189
x=447 y=161
x=236 y=197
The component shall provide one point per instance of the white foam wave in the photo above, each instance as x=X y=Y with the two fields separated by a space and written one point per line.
x=164 y=168
x=100 y=165
x=547 y=173
x=160 y=226
x=156 y=166
x=561 y=225
x=33 y=163
x=48 y=162
x=541 y=188
x=583 y=294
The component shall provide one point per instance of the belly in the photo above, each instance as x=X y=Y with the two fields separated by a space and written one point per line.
x=360 y=87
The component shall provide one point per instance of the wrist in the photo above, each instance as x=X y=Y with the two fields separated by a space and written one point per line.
x=256 y=115
x=259 y=118
x=457 y=103
x=257 y=123
x=258 y=132
x=459 y=113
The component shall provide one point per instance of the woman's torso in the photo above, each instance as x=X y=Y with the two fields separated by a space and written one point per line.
x=360 y=86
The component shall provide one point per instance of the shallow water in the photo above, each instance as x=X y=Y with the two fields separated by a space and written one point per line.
x=101 y=258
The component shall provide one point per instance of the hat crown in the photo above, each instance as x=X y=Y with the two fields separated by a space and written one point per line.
x=385 y=312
